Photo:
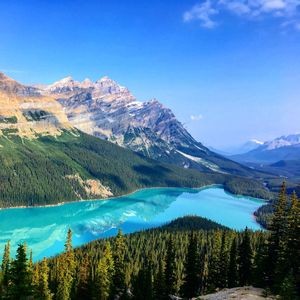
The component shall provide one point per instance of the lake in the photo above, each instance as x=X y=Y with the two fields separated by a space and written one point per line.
x=44 y=228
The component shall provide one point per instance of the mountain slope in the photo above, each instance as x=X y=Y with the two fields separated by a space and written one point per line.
x=45 y=160
x=109 y=111
x=74 y=165
x=24 y=112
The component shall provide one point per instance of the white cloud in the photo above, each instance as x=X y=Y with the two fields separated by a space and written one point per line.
x=206 y=12
x=202 y=12
x=196 y=117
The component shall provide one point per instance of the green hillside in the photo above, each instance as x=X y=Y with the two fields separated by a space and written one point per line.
x=50 y=170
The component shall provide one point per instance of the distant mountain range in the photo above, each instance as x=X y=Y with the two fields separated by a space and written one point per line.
x=241 y=149
x=280 y=157
x=282 y=148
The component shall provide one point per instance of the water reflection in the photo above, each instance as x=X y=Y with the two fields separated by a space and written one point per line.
x=44 y=229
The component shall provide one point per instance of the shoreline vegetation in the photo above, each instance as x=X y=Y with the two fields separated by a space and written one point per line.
x=135 y=191
x=41 y=172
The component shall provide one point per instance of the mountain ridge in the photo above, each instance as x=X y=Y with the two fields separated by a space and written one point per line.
x=41 y=149
x=109 y=111
x=286 y=147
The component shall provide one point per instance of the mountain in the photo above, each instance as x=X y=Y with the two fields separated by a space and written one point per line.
x=109 y=111
x=240 y=149
x=282 y=148
x=46 y=160
x=27 y=113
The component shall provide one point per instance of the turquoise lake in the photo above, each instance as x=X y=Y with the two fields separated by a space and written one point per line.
x=44 y=228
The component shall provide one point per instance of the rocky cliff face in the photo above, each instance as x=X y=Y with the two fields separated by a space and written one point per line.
x=25 y=112
x=109 y=111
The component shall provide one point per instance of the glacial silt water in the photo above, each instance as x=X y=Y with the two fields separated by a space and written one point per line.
x=44 y=228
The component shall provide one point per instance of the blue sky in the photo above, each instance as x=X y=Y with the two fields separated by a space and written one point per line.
x=230 y=70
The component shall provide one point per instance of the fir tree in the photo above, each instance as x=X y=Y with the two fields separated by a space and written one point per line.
x=260 y=273
x=36 y=279
x=278 y=240
x=143 y=283
x=223 y=262
x=119 y=265
x=82 y=281
x=293 y=243
x=6 y=265
x=245 y=259
x=232 y=269
x=160 y=282
x=66 y=270
x=191 y=284
x=287 y=289
x=170 y=270
x=104 y=275
x=21 y=287
x=44 y=292
x=214 y=261
x=204 y=270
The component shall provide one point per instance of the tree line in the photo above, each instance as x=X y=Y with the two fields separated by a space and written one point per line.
x=178 y=260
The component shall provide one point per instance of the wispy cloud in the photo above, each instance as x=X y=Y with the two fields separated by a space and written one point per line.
x=11 y=71
x=196 y=117
x=207 y=11
x=202 y=12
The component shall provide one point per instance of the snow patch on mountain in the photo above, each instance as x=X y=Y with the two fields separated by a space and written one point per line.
x=283 y=141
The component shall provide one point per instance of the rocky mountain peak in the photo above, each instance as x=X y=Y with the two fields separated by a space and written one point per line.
x=283 y=141
x=65 y=85
x=3 y=77
x=24 y=111
x=9 y=85
x=109 y=86
x=87 y=83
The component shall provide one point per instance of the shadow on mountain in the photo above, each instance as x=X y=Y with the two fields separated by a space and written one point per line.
x=151 y=171
x=115 y=179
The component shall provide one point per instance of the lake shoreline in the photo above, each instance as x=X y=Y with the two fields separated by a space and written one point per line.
x=45 y=229
x=131 y=193
x=114 y=197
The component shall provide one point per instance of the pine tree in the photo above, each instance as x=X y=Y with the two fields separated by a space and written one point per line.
x=66 y=270
x=44 y=292
x=260 y=273
x=82 y=282
x=119 y=265
x=245 y=259
x=36 y=279
x=30 y=264
x=104 y=275
x=21 y=286
x=223 y=263
x=287 y=289
x=204 y=270
x=143 y=283
x=214 y=261
x=170 y=270
x=191 y=285
x=6 y=265
x=160 y=282
x=232 y=269
x=278 y=240
x=293 y=243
